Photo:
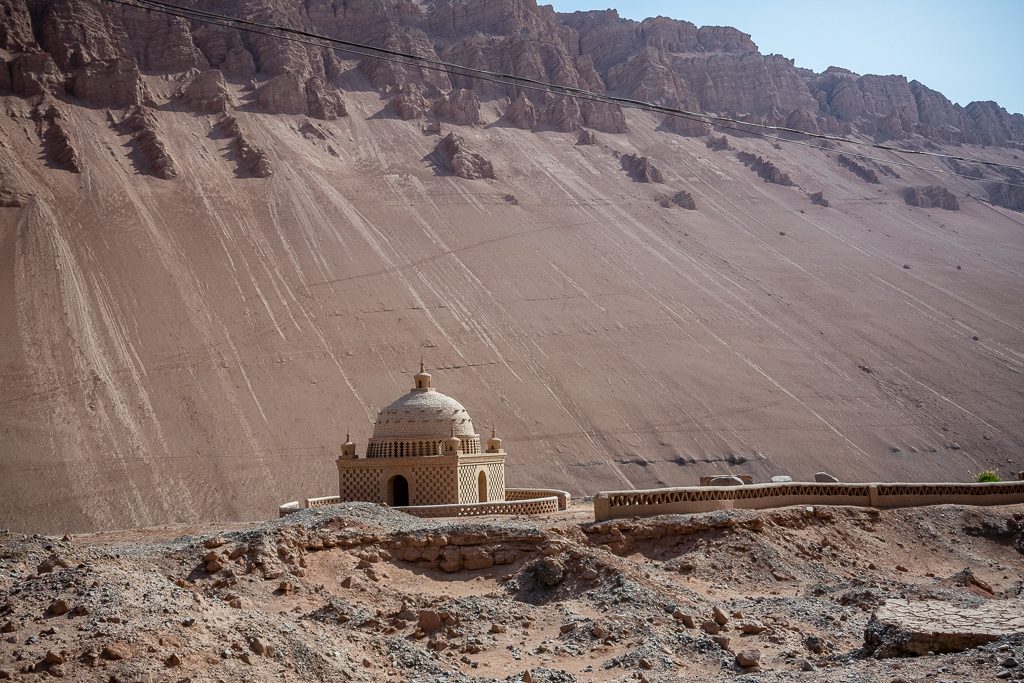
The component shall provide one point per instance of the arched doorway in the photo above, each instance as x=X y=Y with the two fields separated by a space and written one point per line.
x=398 y=491
x=481 y=484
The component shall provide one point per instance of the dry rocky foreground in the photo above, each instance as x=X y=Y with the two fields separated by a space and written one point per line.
x=357 y=592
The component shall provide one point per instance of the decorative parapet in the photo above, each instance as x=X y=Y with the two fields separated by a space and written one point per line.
x=289 y=508
x=645 y=503
x=517 y=502
x=526 y=494
x=534 y=506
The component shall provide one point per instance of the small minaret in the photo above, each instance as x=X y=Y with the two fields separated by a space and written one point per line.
x=422 y=379
x=494 y=443
x=453 y=444
x=348 y=449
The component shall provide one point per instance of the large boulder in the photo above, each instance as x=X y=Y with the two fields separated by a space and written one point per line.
x=452 y=154
x=920 y=627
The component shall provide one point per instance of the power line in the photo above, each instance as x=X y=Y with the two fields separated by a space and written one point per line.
x=364 y=50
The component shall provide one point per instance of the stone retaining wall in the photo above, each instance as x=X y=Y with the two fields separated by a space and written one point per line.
x=645 y=503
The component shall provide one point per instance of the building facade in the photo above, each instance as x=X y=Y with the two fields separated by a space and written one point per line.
x=424 y=451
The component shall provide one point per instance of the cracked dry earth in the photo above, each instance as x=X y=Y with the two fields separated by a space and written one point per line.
x=357 y=592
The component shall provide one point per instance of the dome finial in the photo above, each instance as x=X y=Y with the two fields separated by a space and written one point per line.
x=422 y=379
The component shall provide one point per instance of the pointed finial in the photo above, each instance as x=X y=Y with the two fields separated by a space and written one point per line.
x=348 y=436
x=492 y=432
x=453 y=428
x=421 y=362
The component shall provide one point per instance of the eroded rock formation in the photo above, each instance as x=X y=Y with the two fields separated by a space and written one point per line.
x=150 y=154
x=682 y=199
x=453 y=155
x=768 y=171
x=252 y=161
x=641 y=169
x=460 y=106
x=1008 y=196
x=289 y=94
x=860 y=170
x=818 y=198
x=719 y=144
x=521 y=112
x=98 y=49
x=58 y=147
x=931 y=196
x=409 y=102
x=112 y=83
x=207 y=92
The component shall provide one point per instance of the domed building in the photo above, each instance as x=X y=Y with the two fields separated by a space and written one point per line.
x=424 y=451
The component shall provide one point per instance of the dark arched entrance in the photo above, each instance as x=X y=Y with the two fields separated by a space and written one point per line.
x=398 y=491
x=481 y=484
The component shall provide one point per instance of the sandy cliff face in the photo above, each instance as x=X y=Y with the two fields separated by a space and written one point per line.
x=218 y=252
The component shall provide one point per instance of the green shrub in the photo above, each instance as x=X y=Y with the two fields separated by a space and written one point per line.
x=987 y=475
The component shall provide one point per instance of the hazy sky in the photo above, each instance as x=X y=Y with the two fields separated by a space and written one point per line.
x=966 y=49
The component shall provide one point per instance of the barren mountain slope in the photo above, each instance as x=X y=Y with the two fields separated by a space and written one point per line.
x=195 y=346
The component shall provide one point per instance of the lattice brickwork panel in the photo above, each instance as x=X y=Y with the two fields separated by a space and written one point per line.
x=434 y=486
x=360 y=484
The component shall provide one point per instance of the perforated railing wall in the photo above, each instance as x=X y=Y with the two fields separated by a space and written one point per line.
x=614 y=504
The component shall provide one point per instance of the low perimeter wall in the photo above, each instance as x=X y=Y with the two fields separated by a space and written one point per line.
x=517 y=502
x=645 y=503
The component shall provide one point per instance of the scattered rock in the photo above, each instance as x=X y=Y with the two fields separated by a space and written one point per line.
x=825 y=477
x=819 y=199
x=429 y=621
x=748 y=659
x=549 y=572
x=115 y=651
x=752 y=628
x=58 y=607
x=52 y=562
